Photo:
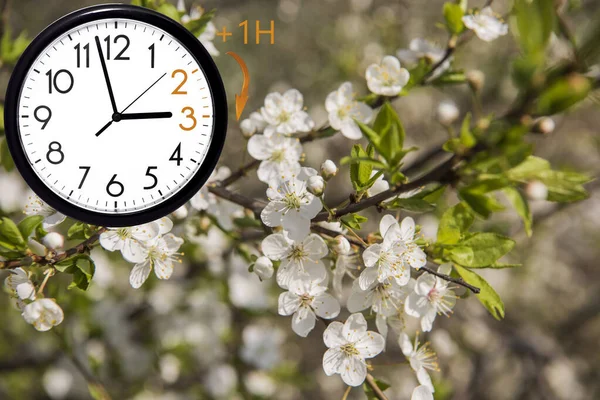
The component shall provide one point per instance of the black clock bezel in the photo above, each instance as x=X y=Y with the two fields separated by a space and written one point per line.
x=90 y=14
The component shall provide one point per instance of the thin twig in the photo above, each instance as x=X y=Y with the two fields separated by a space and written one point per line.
x=376 y=390
x=449 y=278
x=81 y=248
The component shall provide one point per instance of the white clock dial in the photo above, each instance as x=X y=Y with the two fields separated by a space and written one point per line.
x=119 y=153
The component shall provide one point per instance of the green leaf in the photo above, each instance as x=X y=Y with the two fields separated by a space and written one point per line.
x=5 y=157
x=369 y=391
x=563 y=94
x=535 y=22
x=360 y=173
x=454 y=223
x=353 y=220
x=480 y=250
x=29 y=224
x=197 y=26
x=82 y=268
x=10 y=236
x=169 y=10
x=79 y=231
x=483 y=205
x=520 y=204
x=467 y=139
x=528 y=169
x=412 y=204
x=387 y=135
x=487 y=295
x=450 y=78
x=453 y=14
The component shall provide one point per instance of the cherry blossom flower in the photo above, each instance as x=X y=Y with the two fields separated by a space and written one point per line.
x=447 y=112
x=280 y=156
x=404 y=233
x=345 y=264
x=432 y=296
x=53 y=240
x=387 y=78
x=421 y=359
x=486 y=24
x=422 y=392
x=160 y=256
x=380 y=185
x=385 y=260
x=349 y=345
x=36 y=206
x=292 y=207
x=419 y=49
x=328 y=169
x=43 y=314
x=285 y=114
x=386 y=299
x=130 y=240
x=263 y=267
x=224 y=211
x=252 y=125
x=316 y=185
x=307 y=299
x=299 y=260
x=344 y=109
x=210 y=31
x=19 y=284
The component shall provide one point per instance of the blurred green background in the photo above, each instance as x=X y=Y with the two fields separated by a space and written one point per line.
x=187 y=338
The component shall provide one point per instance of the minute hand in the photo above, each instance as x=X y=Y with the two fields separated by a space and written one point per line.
x=149 y=115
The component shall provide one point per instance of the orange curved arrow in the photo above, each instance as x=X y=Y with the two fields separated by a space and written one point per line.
x=242 y=98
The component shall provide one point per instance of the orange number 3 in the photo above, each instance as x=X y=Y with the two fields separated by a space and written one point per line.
x=190 y=115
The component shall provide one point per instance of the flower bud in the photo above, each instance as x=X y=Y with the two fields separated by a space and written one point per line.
x=53 y=240
x=248 y=128
x=180 y=213
x=447 y=112
x=341 y=245
x=536 y=190
x=316 y=185
x=263 y=267
x=476 y=80
x=328 y=170
x=544 y=125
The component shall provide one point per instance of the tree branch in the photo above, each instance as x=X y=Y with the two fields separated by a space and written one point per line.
x=449 y=278
x=52 y=259
x=376 y=390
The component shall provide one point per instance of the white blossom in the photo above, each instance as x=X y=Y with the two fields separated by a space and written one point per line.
x=422 y=49
x=344 y=109
x=349 y=344
x=207 y=37
x=57 y=382
x=130 y=240
x=222 y=210
x=19 y=284
x=387 y=78
x=252 y=125
x=43 y=314
x=447 y=112
x=316 y=185
x=387 y=260
x=284 y=113
x=261 y=346
x=380 y=185
x=36 y=206
x=341 y=245
x=279 y=156
x=181 y=213
x=292 y=207
x=221 y=381
x=345 y=264
x=263 y=267
x=306 y=300
x=160 y=256
x=486 y=24
x=53 y=240
x=422 y=392
x=432 y=296
x=536 y=190
x=328 y=169
x=420 y=358
x=299 y=259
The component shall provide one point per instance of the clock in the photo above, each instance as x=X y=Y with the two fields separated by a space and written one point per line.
x=115 y=115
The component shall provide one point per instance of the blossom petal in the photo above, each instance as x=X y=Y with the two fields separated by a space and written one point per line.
x=296 y=227
x=370 y=344
x=425 y=283
x=315 y=246
x=326 y=306
x=386 y=222
x=111 y=241
x=354 y=371
x=421 y=393
x=271 y=216
x=288 y=303
x=333 y=361
x=139 y=274
x=371 y=255
x=303 y=321
x=359 y=300
x=332 y=337
x=354 y=327
x=367 y=278
x=405 y=344
x=415 y=305
x=424 y=379
x=276 y=246
x=259 y=147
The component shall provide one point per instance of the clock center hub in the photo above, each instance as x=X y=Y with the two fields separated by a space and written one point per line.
x=116 y=117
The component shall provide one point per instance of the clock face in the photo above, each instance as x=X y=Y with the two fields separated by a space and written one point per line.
x=116 y=116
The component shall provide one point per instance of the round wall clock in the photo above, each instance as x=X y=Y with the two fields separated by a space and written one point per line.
x=115 y=115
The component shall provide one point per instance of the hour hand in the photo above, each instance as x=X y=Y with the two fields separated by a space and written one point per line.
x=149 y=115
